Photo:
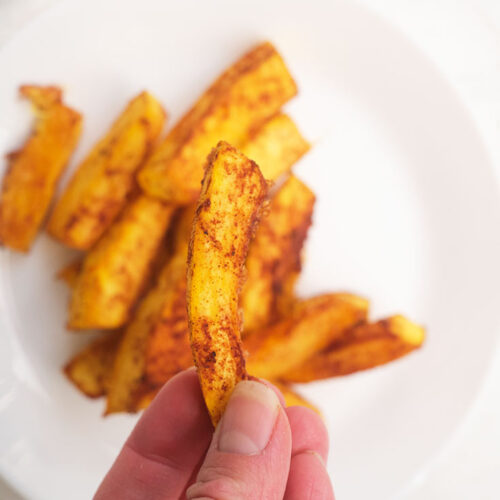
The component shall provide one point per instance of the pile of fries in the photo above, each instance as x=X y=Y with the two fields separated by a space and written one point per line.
x=192 y=245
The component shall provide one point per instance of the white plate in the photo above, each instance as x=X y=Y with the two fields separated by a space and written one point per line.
x=408 y=214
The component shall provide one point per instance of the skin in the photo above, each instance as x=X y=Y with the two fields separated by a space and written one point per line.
x=172 y=453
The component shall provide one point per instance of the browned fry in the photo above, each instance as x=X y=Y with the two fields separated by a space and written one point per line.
x=274 y=259
x=116 y=270
x=33 y=171
x=313 y=325
x=239 y=101
x=233 y=191
x=168 y=350
x=103 y=182
x=153 y=322
x=365 y=346
x=69 y=273
x=90 y=369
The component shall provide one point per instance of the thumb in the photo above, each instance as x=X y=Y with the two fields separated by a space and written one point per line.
x=249 y=456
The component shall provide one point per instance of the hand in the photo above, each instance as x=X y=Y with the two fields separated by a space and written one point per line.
x=259 y=450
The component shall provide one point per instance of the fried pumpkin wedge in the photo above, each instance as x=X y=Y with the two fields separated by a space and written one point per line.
x=69 y=273
x=168 y=349
x=33 y=171
x=152 y=318
x=274 y=258
x=116 y=269
x=276 y=146
x=313 y=325
x=127 y=385
x=232 y=194
x=91 y=368
x=99 y=189
x=365 y=346
x=238 y=102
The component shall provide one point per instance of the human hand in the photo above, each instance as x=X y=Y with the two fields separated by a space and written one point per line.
x=259 y=449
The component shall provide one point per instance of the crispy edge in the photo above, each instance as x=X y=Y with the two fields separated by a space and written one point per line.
x=90 y=369
x=233 y=191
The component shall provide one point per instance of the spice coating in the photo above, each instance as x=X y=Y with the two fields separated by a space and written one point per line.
x=34 y=170
x=362 y=347
x=104 y=181
x=222 y=230
x=247 y=94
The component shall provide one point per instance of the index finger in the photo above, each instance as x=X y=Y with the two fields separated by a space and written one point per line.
x=165 y=446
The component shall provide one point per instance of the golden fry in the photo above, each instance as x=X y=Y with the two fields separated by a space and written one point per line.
x=233 y=191
x=313 y=325
x=365 y=346
x=240 y=100
x=90 y=369
x=168 y=349
x=116 y=270
x=33 y=171
x=276 y=146
x=153 y=319
x=127 y=378
x=274 y=258
x=99 y=189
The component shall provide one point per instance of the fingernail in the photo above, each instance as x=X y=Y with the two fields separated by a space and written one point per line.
x=249 y=419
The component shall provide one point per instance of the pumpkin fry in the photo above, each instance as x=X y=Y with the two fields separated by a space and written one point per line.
x=365 y=346
x=33 y=171
x=274 y=258
x=116 y=270
x=239 y=101
x=153 y=319
x=101 y=185
x=314 y=324
x=233 y=191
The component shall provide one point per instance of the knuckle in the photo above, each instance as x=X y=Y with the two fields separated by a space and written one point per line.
x=217 y=482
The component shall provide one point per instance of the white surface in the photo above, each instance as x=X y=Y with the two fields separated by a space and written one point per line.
x=357 y=118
